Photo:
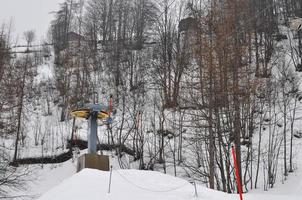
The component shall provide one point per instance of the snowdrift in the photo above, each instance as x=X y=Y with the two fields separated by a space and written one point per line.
x=137 y=185
x=127 y=184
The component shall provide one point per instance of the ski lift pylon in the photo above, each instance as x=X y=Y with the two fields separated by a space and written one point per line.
x=92 y=112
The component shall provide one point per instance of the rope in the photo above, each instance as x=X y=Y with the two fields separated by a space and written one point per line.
x=147 y=189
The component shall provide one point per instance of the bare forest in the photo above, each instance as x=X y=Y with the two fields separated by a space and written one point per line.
x=189 y=80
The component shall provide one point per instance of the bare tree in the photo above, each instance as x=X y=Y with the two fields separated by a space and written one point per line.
x=25 y=65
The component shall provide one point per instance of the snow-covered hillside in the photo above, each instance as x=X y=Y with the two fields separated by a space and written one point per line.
x=136 y=185
x=187 y=80
x=61 y=182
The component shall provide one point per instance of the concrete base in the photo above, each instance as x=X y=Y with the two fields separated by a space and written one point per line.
x=93 y=161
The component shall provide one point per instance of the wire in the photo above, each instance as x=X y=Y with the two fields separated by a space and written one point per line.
x=147 y=189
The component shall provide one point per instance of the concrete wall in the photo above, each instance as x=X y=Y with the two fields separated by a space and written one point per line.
x=93 y=161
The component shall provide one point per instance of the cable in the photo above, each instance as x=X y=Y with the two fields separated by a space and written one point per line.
x=147 y=189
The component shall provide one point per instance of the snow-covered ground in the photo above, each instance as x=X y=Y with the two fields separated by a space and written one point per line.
x=148 y=185
x=49 y=176
x=60 y=181
x=291 y=187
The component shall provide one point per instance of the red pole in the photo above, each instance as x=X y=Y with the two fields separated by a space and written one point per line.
x=238 y=180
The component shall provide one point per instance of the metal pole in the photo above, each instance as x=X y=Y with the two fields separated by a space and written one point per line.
x=92 y=137
x=196 y=195
x=110 y=180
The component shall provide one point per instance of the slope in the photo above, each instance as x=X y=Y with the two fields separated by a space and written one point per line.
x=136 y=185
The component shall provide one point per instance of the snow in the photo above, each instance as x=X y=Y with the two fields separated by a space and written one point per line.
x=48 y=176
x=148 y=185
x=126 y=184
x=131 y=184
x=45 y=72
x=293 y=185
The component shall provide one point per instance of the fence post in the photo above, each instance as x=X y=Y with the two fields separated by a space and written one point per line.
x=194 y=182
x=109 y=188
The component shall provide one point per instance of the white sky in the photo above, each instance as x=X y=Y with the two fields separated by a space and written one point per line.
x=28 y=15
